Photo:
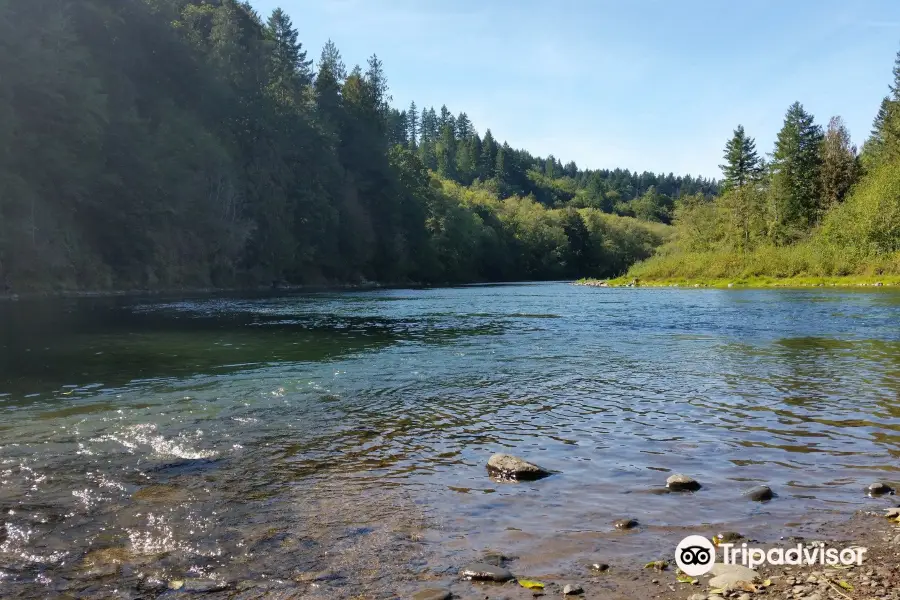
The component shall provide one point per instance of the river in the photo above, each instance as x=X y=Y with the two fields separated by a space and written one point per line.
x=338 y=441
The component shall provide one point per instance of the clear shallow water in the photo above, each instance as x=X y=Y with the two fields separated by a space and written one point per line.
x=342 y=437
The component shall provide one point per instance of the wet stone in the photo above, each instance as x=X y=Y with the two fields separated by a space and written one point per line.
x=600 y=567
x=202 y=585
x=485 y=572
x=625 y=524
x=682 y=483
x=759 y=493
x=879 y=488
x=729 y=536
x=168 y=494
x=512 y=468
x=432 y=594
x=572 y=589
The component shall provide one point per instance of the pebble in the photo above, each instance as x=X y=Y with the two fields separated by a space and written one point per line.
x=572 y=589
x=600 y=567
x=682 y=483
x=697 y=597
x=625 y=524
x=432 y=594
x=485 y=572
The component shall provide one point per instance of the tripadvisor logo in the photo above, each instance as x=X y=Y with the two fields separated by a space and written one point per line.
x=695 y=555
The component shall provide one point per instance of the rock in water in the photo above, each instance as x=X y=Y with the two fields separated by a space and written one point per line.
x=625 y=524
x=432 y=594
x=879 y=489
x=682 y=483
x=513 y=468
x=485 y=572
x=572 y=589
x=759 y=493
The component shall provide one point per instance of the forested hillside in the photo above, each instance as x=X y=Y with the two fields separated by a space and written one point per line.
x=815 y=208
x=169 y=143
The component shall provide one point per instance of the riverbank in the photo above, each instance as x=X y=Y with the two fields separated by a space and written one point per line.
x=878 y=576
x=750 y=282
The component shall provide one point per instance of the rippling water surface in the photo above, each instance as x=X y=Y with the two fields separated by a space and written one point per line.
x=338 y=440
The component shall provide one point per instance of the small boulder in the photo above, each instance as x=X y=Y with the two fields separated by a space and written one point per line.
x=759 y=493
x=572 y=589
x=879 y=489
x=485 y=572
x=728 y=575
x=682 y=483
x=625 y=524
x=432 y=594
x=512 y=468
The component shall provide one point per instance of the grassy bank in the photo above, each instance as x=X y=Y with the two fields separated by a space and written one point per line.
x=807 y=264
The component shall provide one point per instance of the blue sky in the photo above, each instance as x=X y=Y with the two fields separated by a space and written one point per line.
x=654 y=85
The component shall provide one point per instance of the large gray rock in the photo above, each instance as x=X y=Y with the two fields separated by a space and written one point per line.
x=682 y=483
x=759 y=493
x=485 y=572
x=512 y=468
x=728 y=575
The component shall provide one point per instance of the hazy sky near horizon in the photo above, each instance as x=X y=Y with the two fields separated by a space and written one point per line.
x=650 y=85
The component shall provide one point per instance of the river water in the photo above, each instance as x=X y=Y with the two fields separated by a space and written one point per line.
x=338 y=441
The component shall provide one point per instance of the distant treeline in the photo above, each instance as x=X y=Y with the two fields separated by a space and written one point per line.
x=816 y=207
x=168 y=143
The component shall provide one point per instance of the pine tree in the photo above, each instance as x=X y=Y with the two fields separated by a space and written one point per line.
x=796 y=175
x=839 y=163
x=412 y=123
x=463 y=127
x=289 y=65
x=444 y=119
x=329 y=79
x=895 y=85
x=488 y=160
x=500 y=167
x=446 y=153
x=742 y=161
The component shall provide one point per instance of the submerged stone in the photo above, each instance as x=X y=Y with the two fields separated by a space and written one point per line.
x=759 y=493
x=161 y=493
x=513 y=468
x=485 y=572
x=682 y=483
x=432 y=594
x=879 y=489
x=626 y=523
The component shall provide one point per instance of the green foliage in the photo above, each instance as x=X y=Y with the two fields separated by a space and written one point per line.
x=840 y=166
x=796 y=176
x=742 y=163
x=168 y=143
x=814 y=219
